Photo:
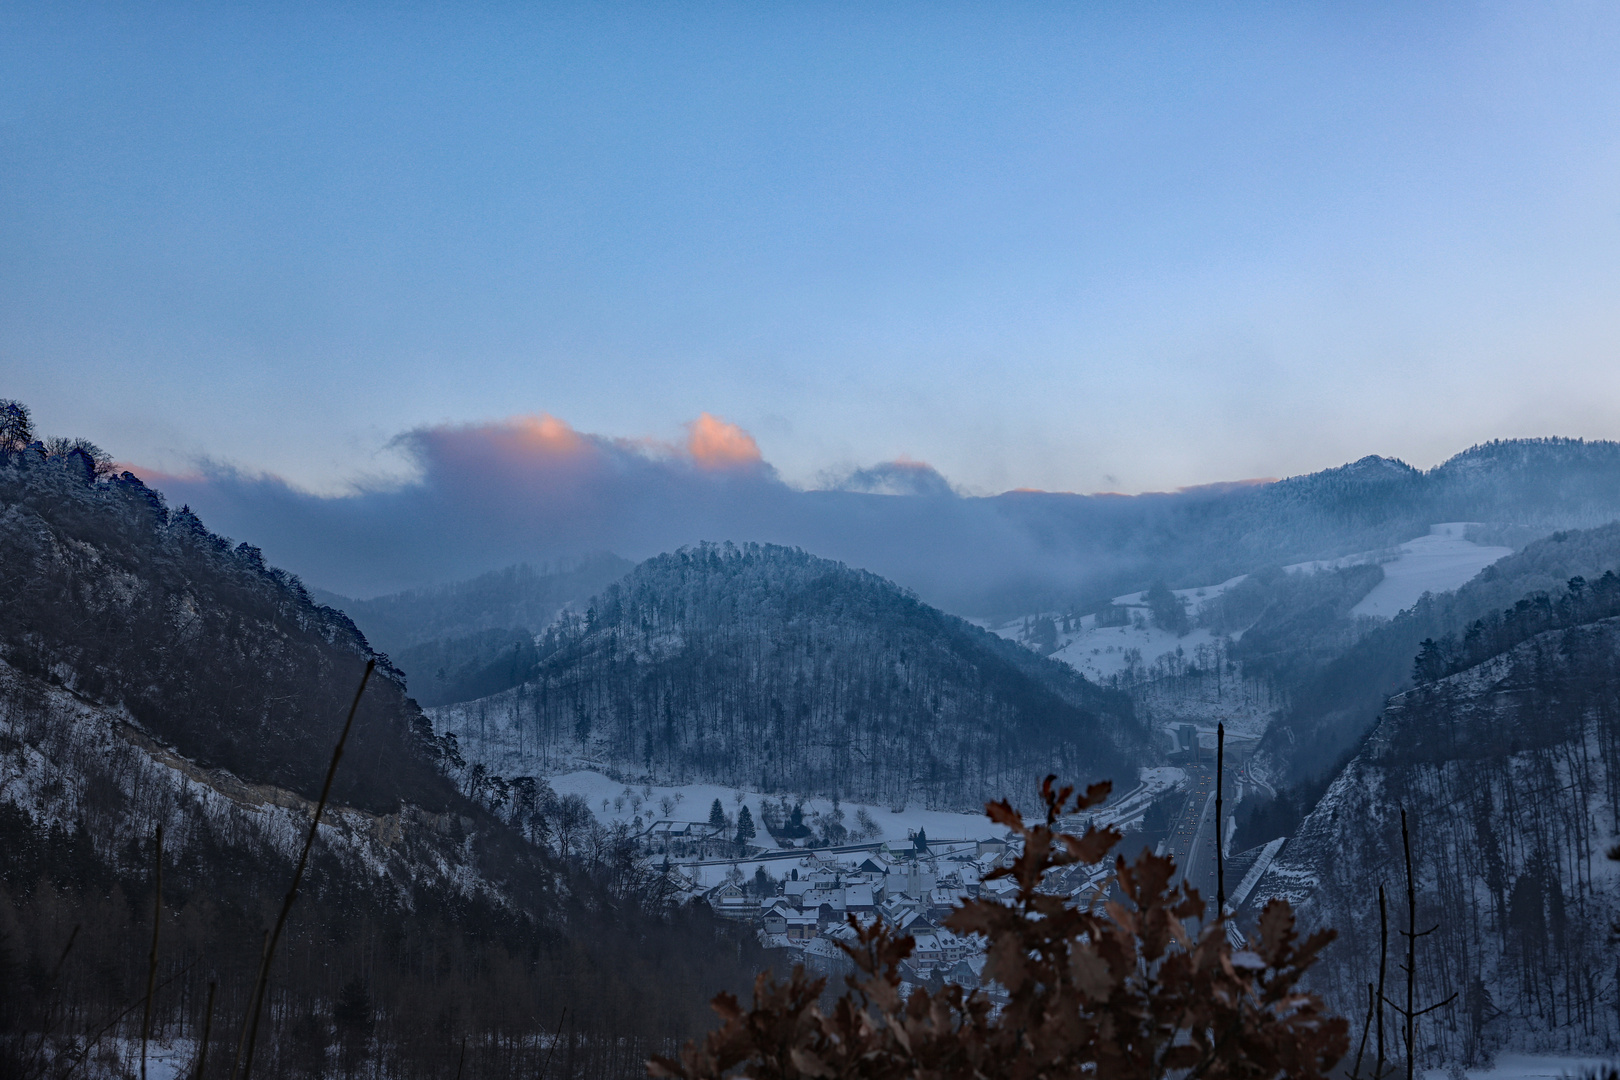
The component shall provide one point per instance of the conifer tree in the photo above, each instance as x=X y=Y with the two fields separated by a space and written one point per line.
x=16 y=426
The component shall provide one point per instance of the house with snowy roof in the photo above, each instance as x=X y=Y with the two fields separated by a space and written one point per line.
x=686 y=839
x=729 y=901
x=925 y=952
x=774 y=919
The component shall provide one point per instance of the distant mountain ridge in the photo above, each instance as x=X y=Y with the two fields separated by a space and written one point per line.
x=1192 y=538
x=1334 y=708
x=768 y=668
x=992 y=557
x=473 y=638
x=519 y=596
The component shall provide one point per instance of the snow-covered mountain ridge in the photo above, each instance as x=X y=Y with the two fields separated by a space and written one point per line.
x=1101 y=648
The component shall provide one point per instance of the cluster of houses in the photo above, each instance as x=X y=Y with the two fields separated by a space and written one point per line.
x=801 y=901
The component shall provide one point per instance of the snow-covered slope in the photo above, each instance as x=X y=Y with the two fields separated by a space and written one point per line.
x=69 y=764
x=1436 y=563
x=1102 y=653
x=1510 y=776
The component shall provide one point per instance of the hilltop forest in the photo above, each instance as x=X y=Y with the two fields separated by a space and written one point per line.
x=768 y=668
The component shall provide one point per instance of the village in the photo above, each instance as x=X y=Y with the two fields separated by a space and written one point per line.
x=795 y=870
x=799 y=892
x=800 y=899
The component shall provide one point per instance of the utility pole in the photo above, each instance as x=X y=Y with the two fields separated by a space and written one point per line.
x=1383 y=962
x=1220 y=848
x=1411 y=1012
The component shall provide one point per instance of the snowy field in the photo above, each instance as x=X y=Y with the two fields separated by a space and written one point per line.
x=1099 y=652
x=612 y=802
x=1438 y=562
x=1527 y=1067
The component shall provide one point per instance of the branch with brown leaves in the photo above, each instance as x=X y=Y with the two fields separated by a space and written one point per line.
x=1118 y=989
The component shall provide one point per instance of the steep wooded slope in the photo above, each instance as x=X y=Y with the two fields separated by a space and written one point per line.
x=125 y=602
x=766 y=667
x=151 y=673
x=1510 y=775
x=1333 y=708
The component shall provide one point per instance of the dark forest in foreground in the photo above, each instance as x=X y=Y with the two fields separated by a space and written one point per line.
x=152 y=673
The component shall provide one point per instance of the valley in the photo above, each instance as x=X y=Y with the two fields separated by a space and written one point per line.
x=714 y=541
x=734 y=748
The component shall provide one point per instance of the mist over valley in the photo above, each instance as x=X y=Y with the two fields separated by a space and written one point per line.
x=809 y=542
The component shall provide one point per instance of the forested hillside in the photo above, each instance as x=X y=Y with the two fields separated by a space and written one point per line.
x=153 y=674
x=1509 y=772
x=767 y=668
x=473 y=638
x=519 y=596
x=1522 y=489
x=1332 y=706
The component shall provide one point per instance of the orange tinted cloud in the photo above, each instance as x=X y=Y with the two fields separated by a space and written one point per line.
x=545 y=434
x=715 y=444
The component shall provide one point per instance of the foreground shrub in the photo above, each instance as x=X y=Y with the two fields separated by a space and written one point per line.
x=1115 y=989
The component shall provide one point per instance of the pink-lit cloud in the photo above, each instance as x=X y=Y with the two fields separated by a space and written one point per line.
x=716 y=444
x=533 y=489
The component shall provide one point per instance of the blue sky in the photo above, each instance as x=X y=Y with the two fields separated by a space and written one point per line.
x=1072 y=247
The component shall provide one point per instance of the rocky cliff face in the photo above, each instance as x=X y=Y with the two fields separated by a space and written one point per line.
x=1509 y=773
x=766 y=668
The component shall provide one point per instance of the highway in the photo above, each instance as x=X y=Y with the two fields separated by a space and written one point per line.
x=1192 y=837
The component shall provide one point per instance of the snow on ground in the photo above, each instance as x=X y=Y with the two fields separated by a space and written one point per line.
x=1436 y=563
x=1527 y=1067
x=691 y=802
x=119 y=1057
x=1100 y=652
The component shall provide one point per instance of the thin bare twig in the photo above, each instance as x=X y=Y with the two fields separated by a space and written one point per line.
x=60 y=960
x=151 y=957
x=1355 y=1073
x=1220 y=852
x=208 y=1027
x=555 y=1036
x=1383 y=965
x=298 y=876
x=1411 y=946
x=241 y=1039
